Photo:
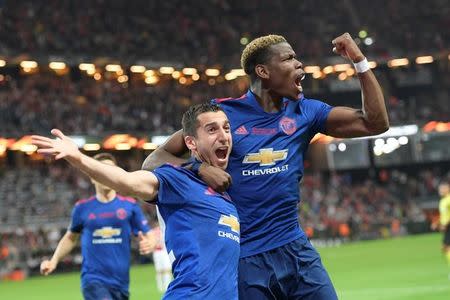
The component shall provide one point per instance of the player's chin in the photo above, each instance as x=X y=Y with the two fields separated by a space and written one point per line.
x=221 y=162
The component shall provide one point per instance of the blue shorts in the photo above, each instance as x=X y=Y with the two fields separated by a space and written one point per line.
x=100 y=291
x=292 y=271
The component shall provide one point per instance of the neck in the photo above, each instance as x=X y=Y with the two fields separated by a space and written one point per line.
x=267 y=99
x=105 y=195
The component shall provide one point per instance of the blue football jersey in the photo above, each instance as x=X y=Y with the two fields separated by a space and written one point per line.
x=106 y=230
x=266 y=165
x=201 y=232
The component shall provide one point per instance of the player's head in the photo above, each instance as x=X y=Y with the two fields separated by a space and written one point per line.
x=272 y=60
x=206 y=131
x=444 y=189
x=105 y=158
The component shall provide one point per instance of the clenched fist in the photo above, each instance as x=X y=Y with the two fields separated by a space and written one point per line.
x=47 y=267
x=345 y=46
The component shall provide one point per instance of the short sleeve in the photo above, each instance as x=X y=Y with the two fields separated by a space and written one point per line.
x=173 y=186
x=76 y=223
x=138 y=220
x=317 y=113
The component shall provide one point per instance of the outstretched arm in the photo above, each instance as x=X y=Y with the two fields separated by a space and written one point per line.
x=65 y=246
x=140 y=184
x=173 y=150
x=372 y=119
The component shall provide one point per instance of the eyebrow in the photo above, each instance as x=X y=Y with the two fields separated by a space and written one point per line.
x=227 y=122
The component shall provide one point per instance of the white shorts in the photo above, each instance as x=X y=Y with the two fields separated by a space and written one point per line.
x=161 y=260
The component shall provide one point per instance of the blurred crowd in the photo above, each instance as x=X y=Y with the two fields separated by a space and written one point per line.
x=200 y=32
x=38 y=102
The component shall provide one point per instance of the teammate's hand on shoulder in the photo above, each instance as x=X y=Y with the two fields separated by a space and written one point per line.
x=47 y=267
x=345 y=46
x=215 y=177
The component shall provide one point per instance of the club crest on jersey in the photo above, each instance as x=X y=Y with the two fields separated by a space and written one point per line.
x=266 y=157
x=107 y=232
x=288 y=125
x=121 y=213
x=230 y=221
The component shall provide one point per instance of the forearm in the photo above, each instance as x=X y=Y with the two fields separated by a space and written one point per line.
x=160 y=157
x=373 y=105
x=65 y=246
x=109 y=175
x=171 y=152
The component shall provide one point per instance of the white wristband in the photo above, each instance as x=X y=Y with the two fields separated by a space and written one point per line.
x=362 y=66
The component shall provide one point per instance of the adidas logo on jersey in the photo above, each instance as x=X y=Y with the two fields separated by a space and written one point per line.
x=241 y=130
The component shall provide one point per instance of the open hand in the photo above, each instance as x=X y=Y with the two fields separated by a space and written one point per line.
x=62 y=147
x=47 y=267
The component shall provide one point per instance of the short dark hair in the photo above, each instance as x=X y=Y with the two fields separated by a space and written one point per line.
x=190 y=117
x=105 y=156
x=258 y=52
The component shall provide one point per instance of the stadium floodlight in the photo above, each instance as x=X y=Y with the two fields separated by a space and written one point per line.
x=317 y=75
x=341 y=67
x=424 y=59
x=176 y=74
x=342 y=147
x=311 y=69
x=28 y=148
x=122 y=78
x=2 y=63
x=28 y=64
x=350 y=72
x=57 y=65
x=91 y=147
x=398 y=62
x=149 y=146
x=230 y=76
x=189 y=71
x=97 y=76
x=137 y=69
x=166 y=70
x=372 y=64
x=122 y=146
x=113 y=68
x=212 y=72
x=182 y=80
x=149 y=73
x=328 y=69
x=86 y=66
x=342 y=76
x=238 y=72
x=151 y=80
x=195 y=77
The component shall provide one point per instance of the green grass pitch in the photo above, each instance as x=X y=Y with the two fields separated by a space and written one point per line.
x=410 y=268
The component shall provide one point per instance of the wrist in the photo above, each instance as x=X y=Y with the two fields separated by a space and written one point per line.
x=362 y=66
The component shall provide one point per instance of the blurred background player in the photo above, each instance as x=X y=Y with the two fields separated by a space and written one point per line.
x=272 y=126
x=444 y=220
x=161 y=260
x=202 y=230
x=105 y=222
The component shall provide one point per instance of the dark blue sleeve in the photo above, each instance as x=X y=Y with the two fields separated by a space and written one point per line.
x=173 y=186
x=138 y=220
x=317 y=113
x=76 y=223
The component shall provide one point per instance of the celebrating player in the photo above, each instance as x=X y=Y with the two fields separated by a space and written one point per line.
x=272 y=125
x=105 y=222
x=201 y=225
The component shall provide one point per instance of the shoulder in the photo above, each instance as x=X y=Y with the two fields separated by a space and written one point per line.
x=126 y=199
x=229 y=101
x=83 y=202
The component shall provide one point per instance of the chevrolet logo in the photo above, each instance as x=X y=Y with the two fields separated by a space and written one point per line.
x=106 y=232
x=230 y=221
x=265 y=157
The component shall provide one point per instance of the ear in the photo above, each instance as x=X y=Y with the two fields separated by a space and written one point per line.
x=262 y=71
x=190 y=142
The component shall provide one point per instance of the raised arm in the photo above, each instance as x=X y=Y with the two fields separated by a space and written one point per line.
x=141 y=184
x=372 y=118
x=65 y=246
